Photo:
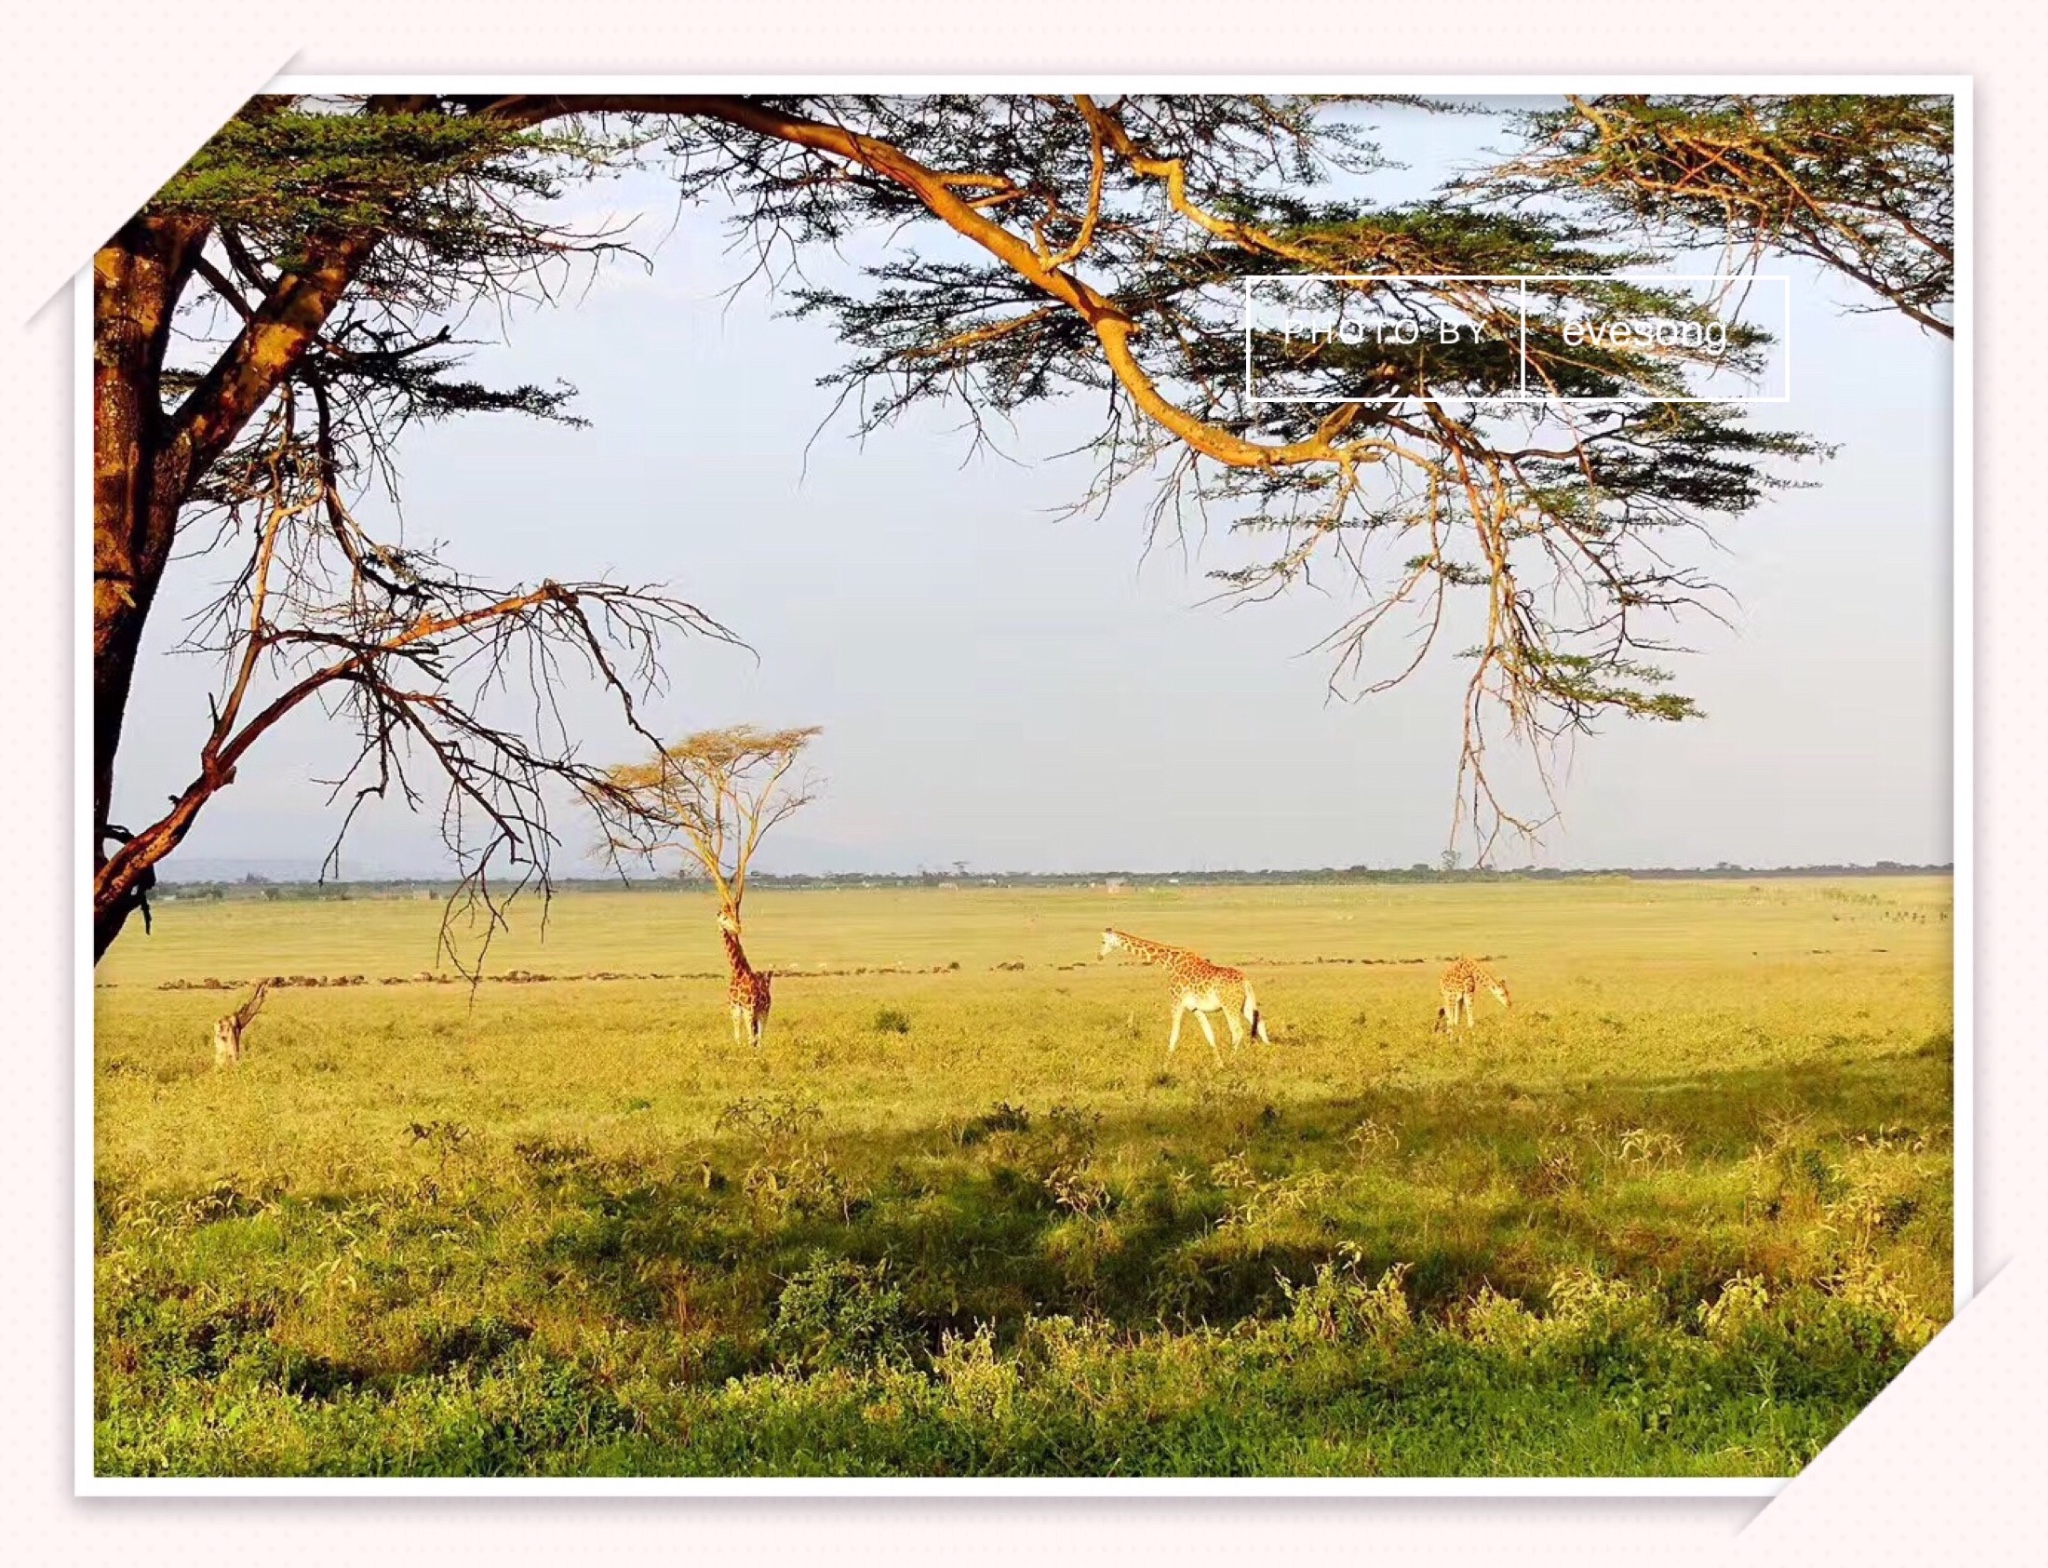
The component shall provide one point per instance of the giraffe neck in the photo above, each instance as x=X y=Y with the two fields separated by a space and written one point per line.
x=1149 y=952
x=735 y=955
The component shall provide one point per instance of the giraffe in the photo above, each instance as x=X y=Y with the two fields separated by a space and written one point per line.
x=747 y=994
x=227 y=1032
x=1199 y=987
x=1463 y=981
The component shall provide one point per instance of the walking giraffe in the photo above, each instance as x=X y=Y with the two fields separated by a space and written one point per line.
x=1463 y=981
x=747 y=993
x=1199 y=987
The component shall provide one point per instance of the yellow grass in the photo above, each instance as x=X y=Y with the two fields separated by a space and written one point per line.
x=1701 y=1083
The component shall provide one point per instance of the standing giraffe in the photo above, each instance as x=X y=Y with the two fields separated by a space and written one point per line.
x=227 y=1032
x=1463 y=981
x=747 y=994
x=1199 y=987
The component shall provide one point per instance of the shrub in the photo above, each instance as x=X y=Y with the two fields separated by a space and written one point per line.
x=790 y=1175
x=1339 y=1304
x=1742 y=1302
x=1501 y=1323
x=1595 y=1318
x=840 y=1313
x=1373 y=1139
x=1005 y=1117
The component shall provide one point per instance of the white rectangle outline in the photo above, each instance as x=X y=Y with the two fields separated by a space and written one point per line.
x=1522 y=352
x=85 y=1483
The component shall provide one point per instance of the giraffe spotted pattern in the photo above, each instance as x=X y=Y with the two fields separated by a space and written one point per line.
x=747 y=993
x=1463 y=982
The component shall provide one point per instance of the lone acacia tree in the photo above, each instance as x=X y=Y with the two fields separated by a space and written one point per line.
x=313 y=261
x=713 y=796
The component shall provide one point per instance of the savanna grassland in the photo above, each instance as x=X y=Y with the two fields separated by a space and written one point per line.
x=1683 y=1212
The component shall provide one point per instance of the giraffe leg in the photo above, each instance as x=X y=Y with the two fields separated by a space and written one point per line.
x=1209 y=1029
x=1236 y=1030
x=1173 y=1039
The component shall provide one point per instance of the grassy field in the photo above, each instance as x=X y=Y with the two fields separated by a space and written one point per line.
x=1684 y=1212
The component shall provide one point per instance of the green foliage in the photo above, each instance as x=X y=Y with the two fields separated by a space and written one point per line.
x=458 y=202
x=1861 y=182
x=1685 y=1214
x=1338 y=1304
x=839 y=1313
x=284 y=172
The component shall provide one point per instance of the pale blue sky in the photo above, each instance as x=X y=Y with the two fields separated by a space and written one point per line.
x=1021 y=692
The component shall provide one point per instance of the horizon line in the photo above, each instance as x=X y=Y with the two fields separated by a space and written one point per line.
x=252 y=877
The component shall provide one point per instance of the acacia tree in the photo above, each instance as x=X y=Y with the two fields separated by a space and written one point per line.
x=713 y=796
x=314 y=262
x=1863 y=183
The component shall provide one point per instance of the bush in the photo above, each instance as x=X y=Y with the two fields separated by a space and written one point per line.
x=1005 y=1117
x=891 y=1020
x=1339 y=1304
x=840 y=1313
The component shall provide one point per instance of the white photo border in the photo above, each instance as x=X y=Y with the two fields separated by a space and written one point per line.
x=87 y=1483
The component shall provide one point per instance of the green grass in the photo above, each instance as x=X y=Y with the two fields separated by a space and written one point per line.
x=1684 y=1213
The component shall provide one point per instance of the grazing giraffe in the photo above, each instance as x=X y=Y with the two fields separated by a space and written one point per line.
x=1463 y=981
x=1199 y=987
x=747 y=994
x=227 y=1032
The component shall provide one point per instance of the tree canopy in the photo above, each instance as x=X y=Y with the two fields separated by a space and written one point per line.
x=1863 y=183
x=713 y=796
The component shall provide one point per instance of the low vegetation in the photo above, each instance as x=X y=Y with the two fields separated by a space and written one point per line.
x=1684 y=1213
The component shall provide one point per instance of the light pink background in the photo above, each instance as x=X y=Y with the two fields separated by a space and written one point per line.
x=1948 y=1463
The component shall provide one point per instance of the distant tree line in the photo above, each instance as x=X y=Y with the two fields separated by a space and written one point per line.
x=256 y=887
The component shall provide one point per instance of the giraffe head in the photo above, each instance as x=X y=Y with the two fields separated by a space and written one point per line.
x=1499 y=988
x=729 y=920
x=1111 y=941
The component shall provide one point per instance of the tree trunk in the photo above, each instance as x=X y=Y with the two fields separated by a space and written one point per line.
x=137 y=277
x=145 y=462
